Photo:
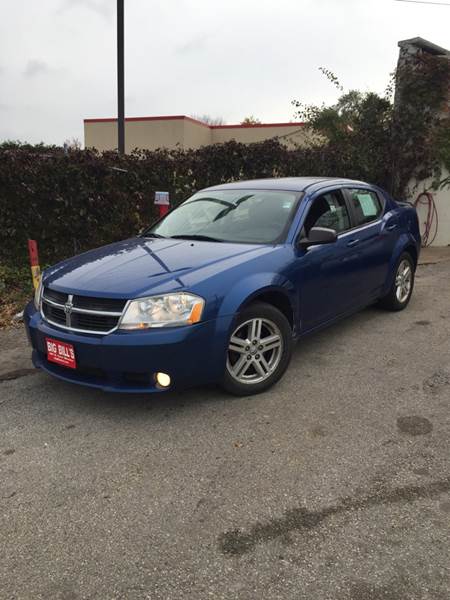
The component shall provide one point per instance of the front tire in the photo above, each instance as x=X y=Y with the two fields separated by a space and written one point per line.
x=402 y=287
x=259 y=350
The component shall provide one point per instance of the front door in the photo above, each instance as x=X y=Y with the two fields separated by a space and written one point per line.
x=327 y=273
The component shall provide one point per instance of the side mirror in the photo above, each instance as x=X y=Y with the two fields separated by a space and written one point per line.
x=318 y=236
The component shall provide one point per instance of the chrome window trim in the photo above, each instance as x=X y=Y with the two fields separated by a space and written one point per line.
x=348 y=232
x=353 y=230
x=359 y=228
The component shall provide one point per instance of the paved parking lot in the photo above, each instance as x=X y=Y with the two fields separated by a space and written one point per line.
x=334 y=485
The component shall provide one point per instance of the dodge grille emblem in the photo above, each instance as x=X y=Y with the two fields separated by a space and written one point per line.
x=68 y=306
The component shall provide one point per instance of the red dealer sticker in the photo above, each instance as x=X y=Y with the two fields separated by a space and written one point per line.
x=61 y=353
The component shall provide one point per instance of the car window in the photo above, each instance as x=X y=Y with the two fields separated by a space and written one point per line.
x=366 y=206
x=249 y=216
x=328 y=210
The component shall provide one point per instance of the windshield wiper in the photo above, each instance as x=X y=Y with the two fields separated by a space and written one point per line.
x=196 y=236
x=153 y=235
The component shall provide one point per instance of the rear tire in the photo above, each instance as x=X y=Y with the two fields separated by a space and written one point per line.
x=259 y=350
x=402 y=287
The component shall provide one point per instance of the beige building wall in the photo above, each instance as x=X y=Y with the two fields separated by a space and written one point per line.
x=287 y=133
x=151 y=135
x=169 y=132
x=101 y=135
x=196 y=134
x=147 y=134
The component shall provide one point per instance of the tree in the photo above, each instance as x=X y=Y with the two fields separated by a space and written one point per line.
x=72 y=144
x=355 y=129
x=251 y=120
x=388 y=143
x=209 y=120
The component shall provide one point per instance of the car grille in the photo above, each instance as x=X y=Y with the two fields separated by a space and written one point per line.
x=81 y=313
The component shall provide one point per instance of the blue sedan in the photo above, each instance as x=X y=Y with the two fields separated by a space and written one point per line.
x=219 y=289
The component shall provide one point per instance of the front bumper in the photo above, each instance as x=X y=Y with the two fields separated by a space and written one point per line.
x=125 y=361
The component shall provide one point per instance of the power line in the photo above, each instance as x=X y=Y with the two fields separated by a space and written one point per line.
x=423 y=2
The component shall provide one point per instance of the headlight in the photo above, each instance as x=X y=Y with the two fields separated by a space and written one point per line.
x=38 y=294
x=169 y=310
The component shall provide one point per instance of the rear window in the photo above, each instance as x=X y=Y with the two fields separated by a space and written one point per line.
x=366 y=206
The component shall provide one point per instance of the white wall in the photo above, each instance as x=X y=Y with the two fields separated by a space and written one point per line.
x=442 y=202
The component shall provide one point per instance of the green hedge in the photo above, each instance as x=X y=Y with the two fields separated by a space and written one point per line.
x=70 y=201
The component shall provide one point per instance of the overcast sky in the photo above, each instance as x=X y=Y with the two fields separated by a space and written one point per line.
x=228 y=59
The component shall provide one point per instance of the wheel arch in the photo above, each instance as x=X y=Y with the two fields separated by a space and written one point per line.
x=405 y=243
x=275 y=297
x=412 y=251
x=272 y=288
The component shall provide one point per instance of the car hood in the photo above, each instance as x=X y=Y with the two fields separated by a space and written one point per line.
x=134 y=267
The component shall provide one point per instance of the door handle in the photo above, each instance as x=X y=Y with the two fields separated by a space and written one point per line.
x=352 y=243
x=391 y=227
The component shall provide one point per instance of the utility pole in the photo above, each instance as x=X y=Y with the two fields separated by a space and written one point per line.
x=120 y=79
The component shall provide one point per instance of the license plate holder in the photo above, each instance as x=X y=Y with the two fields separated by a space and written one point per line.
x=61 y=353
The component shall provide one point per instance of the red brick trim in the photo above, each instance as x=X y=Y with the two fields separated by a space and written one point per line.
x=183 y=117
x=256 y=125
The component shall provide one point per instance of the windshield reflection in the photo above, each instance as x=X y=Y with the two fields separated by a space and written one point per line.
x=250 y=216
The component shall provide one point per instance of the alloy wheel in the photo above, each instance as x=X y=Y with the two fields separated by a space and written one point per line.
x=254 y=351
x=403 y=281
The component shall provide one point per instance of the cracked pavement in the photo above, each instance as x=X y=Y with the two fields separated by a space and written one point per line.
x=335 y=485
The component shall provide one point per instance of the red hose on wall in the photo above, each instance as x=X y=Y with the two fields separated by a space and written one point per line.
x=430 y=225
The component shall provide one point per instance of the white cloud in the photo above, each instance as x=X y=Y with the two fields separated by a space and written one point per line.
x=35 y=67
x=104 y=8
x=192 y=45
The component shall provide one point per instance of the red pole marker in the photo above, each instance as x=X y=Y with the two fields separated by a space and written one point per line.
x=34 y=262
x=163 y=209
x=162 y=202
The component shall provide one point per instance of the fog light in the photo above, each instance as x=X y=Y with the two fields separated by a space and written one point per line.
x=162 y=379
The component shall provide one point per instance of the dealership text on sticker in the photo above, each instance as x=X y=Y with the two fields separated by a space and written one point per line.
x=61 y=353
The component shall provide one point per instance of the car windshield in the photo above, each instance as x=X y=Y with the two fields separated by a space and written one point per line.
x=241 y=216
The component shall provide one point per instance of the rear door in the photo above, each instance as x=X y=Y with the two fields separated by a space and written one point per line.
x=373 y=236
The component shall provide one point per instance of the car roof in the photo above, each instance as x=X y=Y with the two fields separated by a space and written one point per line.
x=292 y=184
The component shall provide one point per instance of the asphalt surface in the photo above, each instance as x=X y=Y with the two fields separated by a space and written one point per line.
x=334 y=485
